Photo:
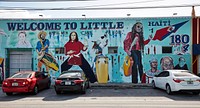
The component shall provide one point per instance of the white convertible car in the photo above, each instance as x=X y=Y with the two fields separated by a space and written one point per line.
x=177 y=80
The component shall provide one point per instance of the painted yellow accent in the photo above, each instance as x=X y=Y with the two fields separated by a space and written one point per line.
x=102 y=69
x=52 y=65
x=1 y=60
x=127 y=66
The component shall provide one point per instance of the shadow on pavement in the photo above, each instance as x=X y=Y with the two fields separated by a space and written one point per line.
x=95 y=92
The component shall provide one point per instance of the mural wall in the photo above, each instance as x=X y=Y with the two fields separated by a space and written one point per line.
x=111 y=50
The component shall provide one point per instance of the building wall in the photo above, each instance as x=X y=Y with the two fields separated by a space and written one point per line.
x=170 y=39
x=195 y=40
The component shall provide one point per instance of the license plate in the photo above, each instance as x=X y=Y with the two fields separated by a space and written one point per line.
x=67 y=82
x=14 y=84
x=189 y=82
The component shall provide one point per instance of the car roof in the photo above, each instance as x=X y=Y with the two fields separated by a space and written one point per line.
x=71 y=74
x=72 y=71
x=25 y=71
x=177 y=70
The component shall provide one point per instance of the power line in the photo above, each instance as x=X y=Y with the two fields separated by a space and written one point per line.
x=114 y=4
x=103 y=8
x=41 y=0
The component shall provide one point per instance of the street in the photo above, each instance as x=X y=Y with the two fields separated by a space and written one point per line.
x=102 y=98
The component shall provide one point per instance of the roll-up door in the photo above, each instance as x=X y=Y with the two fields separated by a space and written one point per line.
x=20 y=60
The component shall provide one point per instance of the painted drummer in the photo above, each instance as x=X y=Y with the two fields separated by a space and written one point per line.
x=42 y=48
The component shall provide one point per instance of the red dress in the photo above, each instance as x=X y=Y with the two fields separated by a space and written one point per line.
x=75 y=57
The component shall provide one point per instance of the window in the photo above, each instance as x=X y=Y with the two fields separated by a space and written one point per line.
x=22 y=75
x=112 y=50
x=164 y=74
x=60 y=50
x=166 y=49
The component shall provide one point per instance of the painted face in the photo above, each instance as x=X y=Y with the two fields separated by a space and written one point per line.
x=73 y=36
x=182 y=62
x=22 y=37
x=154 y=64
x=167 y=64
x=138 y=28
x=42 y=36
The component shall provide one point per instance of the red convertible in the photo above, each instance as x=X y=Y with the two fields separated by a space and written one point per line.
x=26 y=81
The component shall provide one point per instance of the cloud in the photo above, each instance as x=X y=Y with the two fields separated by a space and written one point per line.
x=21 y=14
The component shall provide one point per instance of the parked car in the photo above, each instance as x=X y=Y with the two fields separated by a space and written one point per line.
x=177 y=80
x=26 y=81
x=73 y=80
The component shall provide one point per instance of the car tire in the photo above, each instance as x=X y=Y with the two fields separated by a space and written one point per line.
x=195 y=93
x=153 y=84
x=35 y=90
x=9 y=93
x=168 y=89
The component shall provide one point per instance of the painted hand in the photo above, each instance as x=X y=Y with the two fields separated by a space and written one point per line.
x=150 y=37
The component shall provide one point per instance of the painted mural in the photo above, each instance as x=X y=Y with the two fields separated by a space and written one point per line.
x=107 y=50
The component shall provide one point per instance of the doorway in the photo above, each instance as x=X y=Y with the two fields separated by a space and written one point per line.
x=19 y=59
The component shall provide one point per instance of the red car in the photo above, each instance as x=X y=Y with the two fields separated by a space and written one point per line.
x=26 y=81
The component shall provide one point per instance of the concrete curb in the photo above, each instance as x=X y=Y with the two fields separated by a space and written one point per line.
x=116 y=86
x=120 y=85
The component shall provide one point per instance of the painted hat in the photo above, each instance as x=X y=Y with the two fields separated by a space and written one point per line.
x=153 y=59
x=40 y=33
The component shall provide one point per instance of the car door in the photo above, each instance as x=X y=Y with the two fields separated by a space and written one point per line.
x=158 y=80
x=39 y=80
x=164 y=78
x=45 y=80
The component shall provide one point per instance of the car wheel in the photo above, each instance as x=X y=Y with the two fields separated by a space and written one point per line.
x=153 y=84
x=35 y=90
x=9 y=93
x=168 y=89
x=195 y=93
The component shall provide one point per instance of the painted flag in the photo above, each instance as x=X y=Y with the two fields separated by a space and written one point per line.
x=162 y=33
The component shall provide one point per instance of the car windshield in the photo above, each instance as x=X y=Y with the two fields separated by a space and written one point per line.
x=74 y=74
x=182 y=74
x=21 y=75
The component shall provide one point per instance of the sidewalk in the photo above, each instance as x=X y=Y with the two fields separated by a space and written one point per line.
x=120 y=85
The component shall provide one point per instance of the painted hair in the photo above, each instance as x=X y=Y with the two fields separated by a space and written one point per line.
x=22 y=32
x=71 y=35
x=181 y=58
x=168 y=58
x=141 y=38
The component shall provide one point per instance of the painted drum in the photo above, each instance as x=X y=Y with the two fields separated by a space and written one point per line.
x=49 y=61
x=102 y=69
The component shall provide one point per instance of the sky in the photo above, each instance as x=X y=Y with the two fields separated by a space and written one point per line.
x=98 y=8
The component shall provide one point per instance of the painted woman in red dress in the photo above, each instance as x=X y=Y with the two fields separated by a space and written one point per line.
x=73 y=50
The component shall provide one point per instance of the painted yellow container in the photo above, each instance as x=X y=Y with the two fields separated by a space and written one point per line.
x=102 y=69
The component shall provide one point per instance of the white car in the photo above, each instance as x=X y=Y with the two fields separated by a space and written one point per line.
x=177 y=80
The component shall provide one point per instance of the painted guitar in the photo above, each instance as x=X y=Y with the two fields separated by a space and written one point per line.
x=127 y=66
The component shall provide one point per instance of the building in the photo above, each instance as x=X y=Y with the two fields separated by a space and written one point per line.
x=165 y=41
